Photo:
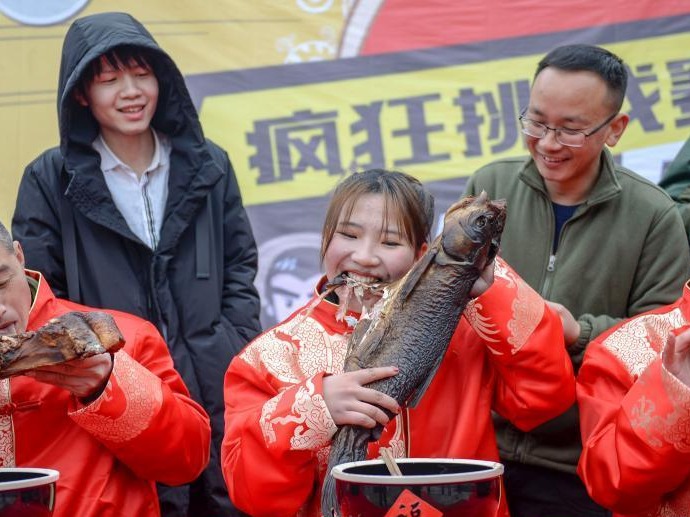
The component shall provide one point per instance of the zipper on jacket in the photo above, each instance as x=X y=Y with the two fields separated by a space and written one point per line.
x=550 y=268
x=147 y=284
x=149 y=307
x=154 y=305
x=552 y=264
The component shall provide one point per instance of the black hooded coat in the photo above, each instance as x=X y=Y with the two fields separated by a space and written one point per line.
x=196 y=286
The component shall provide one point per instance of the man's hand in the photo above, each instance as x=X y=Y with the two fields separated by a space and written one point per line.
x=84 y=378
x=485 y=280
x=350 y=403
x=676 y=355
x=571 y=328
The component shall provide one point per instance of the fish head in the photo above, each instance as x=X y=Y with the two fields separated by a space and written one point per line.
x=472 y=229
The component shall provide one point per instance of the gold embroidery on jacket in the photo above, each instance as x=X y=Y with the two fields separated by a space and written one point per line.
x=397 y=441
x=676 y=430
x=481 y=324
x=643 y=417
x=265 y=421
x=527 y=307
x=528 y=310
x=318 y=427
x=144 y=397
x=637 y=343
x=313 y=426
x=7 y=458
x=501 y=271
x=292 y=353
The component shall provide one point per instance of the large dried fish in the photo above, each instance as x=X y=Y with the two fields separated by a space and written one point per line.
x=412 y=325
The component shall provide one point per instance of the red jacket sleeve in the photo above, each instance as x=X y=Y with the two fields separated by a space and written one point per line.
x=145 y=415
x=533 y=374
x=275 y=426
x=635 y=417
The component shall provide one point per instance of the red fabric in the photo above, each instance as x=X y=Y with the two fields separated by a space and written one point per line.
x=635 y=418
x=402 y=25
x=143 y=428
x=507 y=354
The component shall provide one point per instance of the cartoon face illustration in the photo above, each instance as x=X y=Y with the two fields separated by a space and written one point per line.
x=288 y=272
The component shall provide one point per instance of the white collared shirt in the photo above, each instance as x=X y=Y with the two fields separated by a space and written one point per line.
x=141 y=201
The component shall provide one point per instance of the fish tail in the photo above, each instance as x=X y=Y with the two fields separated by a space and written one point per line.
x=329 y=503
x=349 y=444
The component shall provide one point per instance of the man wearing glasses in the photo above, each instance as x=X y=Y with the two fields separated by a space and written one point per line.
x=598 y=241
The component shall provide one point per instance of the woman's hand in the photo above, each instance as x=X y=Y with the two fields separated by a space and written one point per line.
x=351 y=403
x=485 y=280
x=571 y=328
x=676 y=356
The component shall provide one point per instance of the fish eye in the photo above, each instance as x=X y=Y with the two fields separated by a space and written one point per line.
x=481 y=221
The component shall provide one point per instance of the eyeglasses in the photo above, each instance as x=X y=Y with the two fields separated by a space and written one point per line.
x=564 y=136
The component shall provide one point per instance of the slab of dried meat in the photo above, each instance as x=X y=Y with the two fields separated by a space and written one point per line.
x=74 y=335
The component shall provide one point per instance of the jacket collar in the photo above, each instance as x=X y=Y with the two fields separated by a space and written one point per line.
x=110 y=161
x=606 y=187
x=42 y=301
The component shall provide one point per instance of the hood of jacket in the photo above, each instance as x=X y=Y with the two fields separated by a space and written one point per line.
x=90 y=37
x=194 y=170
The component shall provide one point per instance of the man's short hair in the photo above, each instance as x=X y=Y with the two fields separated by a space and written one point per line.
x=590 y=58
x=5 y=238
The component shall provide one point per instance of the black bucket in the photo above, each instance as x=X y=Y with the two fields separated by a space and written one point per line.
x=454 y=487
x=27 y=492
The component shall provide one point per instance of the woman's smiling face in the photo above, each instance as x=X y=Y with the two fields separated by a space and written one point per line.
x=368 y=246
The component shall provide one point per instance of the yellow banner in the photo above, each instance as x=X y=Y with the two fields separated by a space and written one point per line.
x=293 y=142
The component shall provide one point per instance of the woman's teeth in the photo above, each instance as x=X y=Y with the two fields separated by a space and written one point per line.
x=363 y=279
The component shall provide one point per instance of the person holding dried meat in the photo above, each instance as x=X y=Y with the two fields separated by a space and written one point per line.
x=633 y=392
x=286 y=393
x=111 y=424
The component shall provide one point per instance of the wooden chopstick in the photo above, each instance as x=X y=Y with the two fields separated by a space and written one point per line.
x=388 y=459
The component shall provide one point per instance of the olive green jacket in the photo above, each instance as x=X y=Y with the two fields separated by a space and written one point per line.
x=623 y=252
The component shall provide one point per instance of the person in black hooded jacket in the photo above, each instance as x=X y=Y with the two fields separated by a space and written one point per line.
x=137 y=211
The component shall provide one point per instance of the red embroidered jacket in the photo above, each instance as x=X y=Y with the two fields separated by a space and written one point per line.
x=507 y=354
x=143 y=428
x=635 y=418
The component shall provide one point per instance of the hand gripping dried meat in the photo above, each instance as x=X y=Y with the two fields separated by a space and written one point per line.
x=74 y=335
x=412 y=324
